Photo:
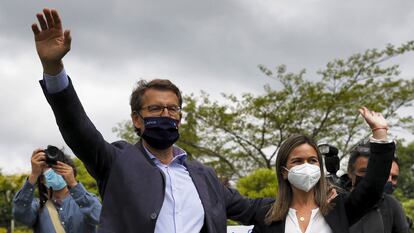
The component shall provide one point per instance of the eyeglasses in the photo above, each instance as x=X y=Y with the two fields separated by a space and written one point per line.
x=173 y=110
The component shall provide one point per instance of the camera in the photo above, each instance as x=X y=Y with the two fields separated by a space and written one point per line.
x=53 y=154
x=330 y=154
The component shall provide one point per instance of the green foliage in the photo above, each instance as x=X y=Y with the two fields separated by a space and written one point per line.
x=409 y=208
x=240 y=134
x=405 y=155
x=260 y=183
x=83 y=176
x=9 y=185
x=17 y=230
x=126 y=131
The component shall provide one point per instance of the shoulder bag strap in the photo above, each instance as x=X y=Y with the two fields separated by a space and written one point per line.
x=54 y=217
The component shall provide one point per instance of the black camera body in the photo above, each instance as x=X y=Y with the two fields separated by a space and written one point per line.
x=53 y=154
x=330 y=154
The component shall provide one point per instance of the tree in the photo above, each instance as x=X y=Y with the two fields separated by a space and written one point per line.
x=83 y=176
x=260 y=183
x=9 y=185
x=240 y=134
x=409 y=208
x=405 y=155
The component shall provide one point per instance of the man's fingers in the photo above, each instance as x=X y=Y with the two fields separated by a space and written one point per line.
x=67 y=38
x=42 y=21
x=56 y=19
x=63 y=173
x=49 y=18
x=61 y=164
x=55 y=168
x=36 y=153
x=62 y=167
x=39 y=157
x=35 y=29
x=42 y=164
x=59 y=172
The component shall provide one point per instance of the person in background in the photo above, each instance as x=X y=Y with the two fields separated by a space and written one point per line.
x=392 y=184
x=63 y=205
x=387 y=215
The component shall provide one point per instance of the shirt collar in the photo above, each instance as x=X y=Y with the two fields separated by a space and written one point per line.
x=179 y=155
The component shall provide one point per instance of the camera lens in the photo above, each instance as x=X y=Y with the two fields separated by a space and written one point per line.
x=53 y=154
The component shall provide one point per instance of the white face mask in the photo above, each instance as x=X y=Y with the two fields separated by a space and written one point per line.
x=304 y=176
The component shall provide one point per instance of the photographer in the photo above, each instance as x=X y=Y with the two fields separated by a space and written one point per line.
x=64 y=205
x=387 y=215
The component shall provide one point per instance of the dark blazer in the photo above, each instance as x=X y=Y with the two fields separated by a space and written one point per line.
x=348 y=208
x=131 y=186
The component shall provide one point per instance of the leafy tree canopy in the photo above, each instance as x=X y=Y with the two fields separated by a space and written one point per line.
x=241 y=134
x=260 y=183
x=405 y=155
x=9 y=185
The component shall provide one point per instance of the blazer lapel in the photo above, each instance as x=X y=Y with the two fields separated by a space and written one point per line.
x=336 y=222
x=278 y=227
x=199 y=180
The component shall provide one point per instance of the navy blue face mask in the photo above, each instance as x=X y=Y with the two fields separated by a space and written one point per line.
x=389 y=188
x=160 y=132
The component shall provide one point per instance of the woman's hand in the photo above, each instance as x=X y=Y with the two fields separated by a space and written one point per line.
x=332 y=193
x=376 y=121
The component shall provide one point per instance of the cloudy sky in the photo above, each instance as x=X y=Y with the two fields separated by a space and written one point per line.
x=213 y=46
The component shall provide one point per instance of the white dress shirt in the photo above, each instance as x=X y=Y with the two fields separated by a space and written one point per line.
x=317 y=223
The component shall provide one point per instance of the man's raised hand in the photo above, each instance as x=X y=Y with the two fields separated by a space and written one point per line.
x=51 y=42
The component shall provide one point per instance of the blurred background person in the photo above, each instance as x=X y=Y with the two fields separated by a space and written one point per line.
x=387 y=215
x=63 y=205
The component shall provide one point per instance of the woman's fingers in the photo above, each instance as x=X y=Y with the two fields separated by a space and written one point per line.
x=374 y=119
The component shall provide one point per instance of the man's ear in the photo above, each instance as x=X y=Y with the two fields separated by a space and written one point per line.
x=179 y=119
x=137 y=120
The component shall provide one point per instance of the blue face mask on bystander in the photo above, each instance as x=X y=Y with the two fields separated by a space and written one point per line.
x=54 y=180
